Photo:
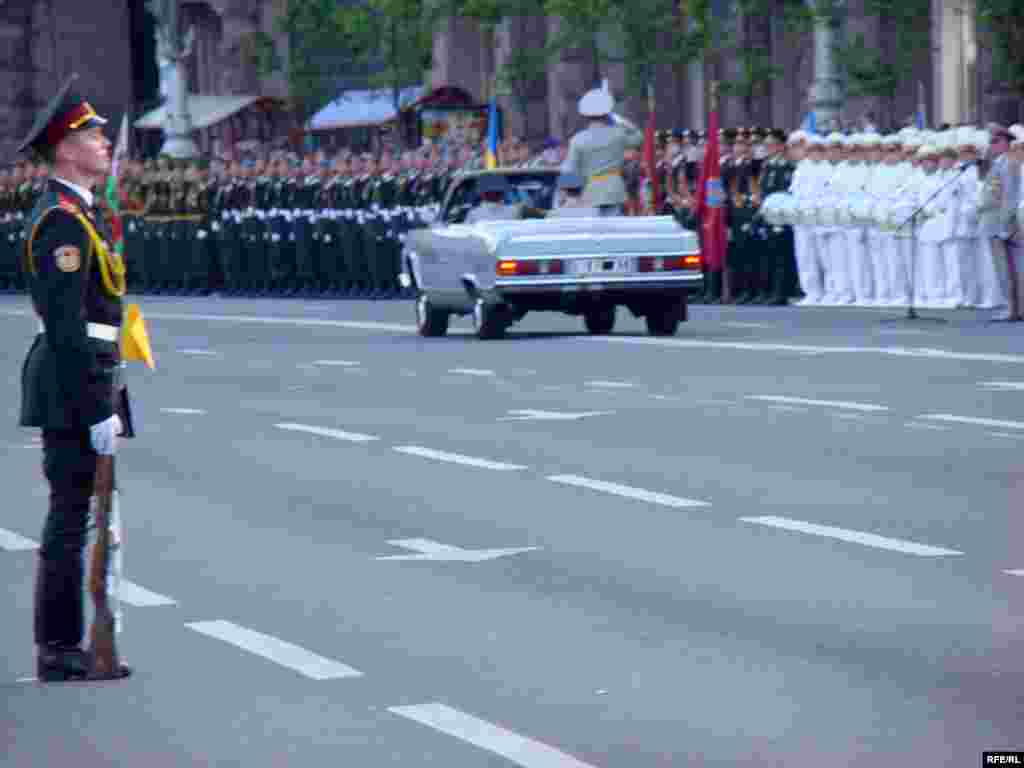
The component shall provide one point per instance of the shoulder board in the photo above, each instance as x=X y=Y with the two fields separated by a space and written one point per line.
x=67 y=203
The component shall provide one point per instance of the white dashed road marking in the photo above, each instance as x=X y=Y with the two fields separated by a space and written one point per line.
x=140 y=597
x=1015 y=572
x=610 y=384
x=854 y=537
x=337 y=434
x=864 y=407
x=1006 y=435
x=738 y=324
x=341 y=363
x=518 y=749
x=428 y=549
x=483 y=372
x=456 y=458
x=628 y=492
x=199 y=352
x=278 y=651
x=131 y=593
x=950 y=418
x=13 y=542
x=1012 y=386
x=184 y=411
x=530 y=415
x=920 y=425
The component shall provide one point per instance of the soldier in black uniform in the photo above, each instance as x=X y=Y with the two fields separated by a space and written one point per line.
x=69 y=385
x=776 y=255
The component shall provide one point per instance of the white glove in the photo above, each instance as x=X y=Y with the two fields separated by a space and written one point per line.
x=104 y=435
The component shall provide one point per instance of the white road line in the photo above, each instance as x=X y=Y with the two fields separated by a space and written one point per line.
x=343 y=363
x=141 y=597
x=950 y=418
x=809 y=349
x=198 y=352
x=472 y=371
x=1015 y=572
x=610 y=384
x=1006 y=435
x=455 y=458
x=278 y=651
x=919 y=425
x=738 y=324
x=533 y=415
x=14 y=542
x=1017 y=386
x=854 y=537
x=184 y=411
x=518 y=749
x=306 y=322
x=629 y=492
x=787 y=408
x=131 y=593
x=864 y=407
x=27 y=680
x=337 y=434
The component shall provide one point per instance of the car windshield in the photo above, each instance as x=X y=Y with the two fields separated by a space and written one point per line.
x=533 y=190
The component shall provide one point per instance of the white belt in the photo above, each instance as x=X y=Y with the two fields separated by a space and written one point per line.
x=96 y=331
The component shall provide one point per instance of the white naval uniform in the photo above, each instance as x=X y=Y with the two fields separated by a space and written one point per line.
x=904 y=242
x=936 y=195
x=857 y=178
x=878 y=239
x=838 y=285
x=966 y=237
x=488 y=211
x=803 y=187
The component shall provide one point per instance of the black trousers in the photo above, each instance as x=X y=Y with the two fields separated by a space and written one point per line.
x=69 y=463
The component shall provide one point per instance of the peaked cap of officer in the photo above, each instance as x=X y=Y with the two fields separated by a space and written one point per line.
x=66 y=113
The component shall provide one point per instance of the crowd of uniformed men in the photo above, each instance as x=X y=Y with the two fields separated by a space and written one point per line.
x=309 y=225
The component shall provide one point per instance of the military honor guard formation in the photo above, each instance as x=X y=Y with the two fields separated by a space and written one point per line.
x=649 y=550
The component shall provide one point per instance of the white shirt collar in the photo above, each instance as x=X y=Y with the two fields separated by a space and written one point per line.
x=82 y=192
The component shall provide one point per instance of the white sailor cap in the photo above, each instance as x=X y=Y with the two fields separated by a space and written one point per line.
x=596 y=103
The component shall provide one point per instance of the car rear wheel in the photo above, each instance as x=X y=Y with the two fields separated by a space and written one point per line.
x=430 y=321
x=664 y=317
x=600 y=320
x=488 y=320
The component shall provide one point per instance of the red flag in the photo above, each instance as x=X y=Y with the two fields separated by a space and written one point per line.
x=711 y=198
x=651 y=162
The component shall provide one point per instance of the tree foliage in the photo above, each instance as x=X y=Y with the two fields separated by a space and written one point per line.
x=1003 y=23
x=870 y=71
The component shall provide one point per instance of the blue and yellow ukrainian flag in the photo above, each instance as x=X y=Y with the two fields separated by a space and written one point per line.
x=491 y=150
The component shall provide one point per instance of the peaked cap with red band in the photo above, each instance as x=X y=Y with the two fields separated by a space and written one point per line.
x=66 y=113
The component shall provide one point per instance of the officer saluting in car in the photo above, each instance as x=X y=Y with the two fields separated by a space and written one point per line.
x=492 y=207
x=598 y=152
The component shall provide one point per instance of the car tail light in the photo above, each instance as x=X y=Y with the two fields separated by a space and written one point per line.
x=668 y=263
x=512 y=268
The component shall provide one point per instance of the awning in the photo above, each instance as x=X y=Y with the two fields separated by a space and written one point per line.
x=362 y=108
x=206 y=110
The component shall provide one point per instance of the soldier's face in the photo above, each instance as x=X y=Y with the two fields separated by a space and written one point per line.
x=88 y=152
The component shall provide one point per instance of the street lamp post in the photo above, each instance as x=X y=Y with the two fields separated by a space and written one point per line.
x=175 y=47
x=826 y=98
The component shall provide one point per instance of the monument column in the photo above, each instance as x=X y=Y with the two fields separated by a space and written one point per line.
x=826 y=90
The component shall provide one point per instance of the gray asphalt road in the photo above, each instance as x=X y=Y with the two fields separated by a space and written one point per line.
x=783 y=537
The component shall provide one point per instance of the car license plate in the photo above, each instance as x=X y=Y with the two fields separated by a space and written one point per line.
x=612 y=264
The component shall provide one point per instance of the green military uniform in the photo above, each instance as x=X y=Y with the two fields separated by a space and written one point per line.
x=776 y=254
x=69 y=379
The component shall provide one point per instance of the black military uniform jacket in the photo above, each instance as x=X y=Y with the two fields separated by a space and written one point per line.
x=68 y=377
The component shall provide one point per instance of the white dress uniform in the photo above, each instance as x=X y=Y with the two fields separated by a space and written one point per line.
x=838 y=285
x=904 y=242
x=878 y=188
x=965 y=236
x=998 y=211
x=808 y=263
x=861 y=284
x=936 y=196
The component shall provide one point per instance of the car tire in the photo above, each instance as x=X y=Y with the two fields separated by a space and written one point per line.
x=488 y=320
x=430 y=321
x=663 y=318
x=600 y=320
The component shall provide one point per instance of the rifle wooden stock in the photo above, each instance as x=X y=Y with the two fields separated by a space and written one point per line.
x=102 y=646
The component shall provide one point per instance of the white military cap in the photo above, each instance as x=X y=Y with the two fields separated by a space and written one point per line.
x=1017 y=130
x=835 y=139
x=596 y=103
x=927 y=150
x=981 y=140
x=872 y=140
x=797 y=136
x=963 y=136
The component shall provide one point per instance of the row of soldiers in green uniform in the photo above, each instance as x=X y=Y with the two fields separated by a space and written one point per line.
x=760 y=257
x=283 y=226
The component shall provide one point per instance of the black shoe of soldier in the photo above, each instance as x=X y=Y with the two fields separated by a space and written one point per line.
x=58 y=665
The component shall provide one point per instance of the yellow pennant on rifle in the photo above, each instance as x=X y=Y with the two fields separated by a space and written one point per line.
x=135 y=338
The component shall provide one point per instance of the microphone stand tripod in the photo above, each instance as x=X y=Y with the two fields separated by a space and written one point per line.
x=912 y=265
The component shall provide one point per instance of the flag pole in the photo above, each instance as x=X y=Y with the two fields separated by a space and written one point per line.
x=726 y=281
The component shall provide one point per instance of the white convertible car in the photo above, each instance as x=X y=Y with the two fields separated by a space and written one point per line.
x=497 y=271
